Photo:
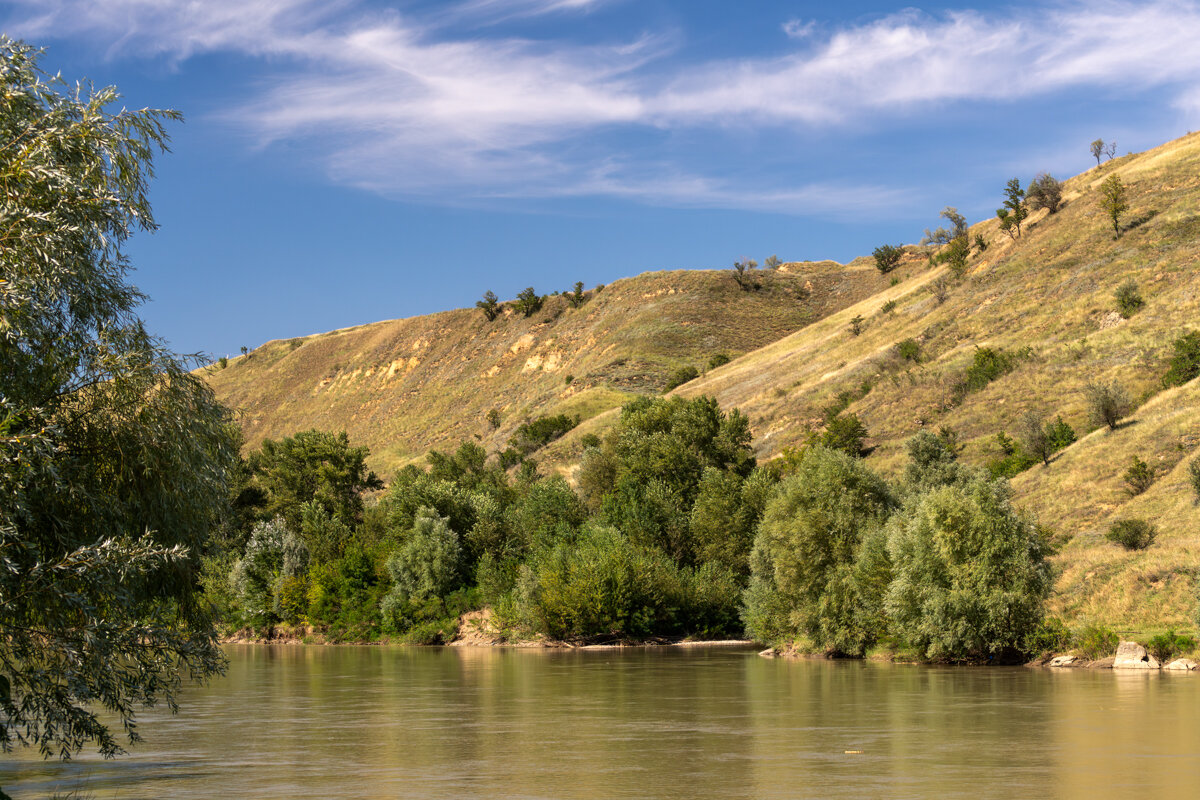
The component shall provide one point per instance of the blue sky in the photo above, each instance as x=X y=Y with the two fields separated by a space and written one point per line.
x=346 y=161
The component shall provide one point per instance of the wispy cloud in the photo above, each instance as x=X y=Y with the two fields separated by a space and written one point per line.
x=407 y=106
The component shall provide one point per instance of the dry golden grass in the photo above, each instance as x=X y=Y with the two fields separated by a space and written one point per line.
x=405 y=386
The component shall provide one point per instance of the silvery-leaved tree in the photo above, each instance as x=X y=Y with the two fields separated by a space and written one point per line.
x=114 y=458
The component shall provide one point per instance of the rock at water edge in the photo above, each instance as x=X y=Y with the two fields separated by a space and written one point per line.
x=1181 y=664
x=1131 y=655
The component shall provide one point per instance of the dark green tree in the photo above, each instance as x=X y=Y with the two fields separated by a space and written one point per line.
x=1184 y=364
x=1014 y=212
x=887 y=257
x=489 y=305
x=312 y=466
x=1045 y=192
x=115 y=459
x=528 y=302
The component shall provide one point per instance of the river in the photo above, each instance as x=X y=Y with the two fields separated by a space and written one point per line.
x=383 y=722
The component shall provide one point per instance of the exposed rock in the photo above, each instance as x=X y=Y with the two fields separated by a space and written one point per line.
x=1066 y=661
x=1131 y=655
x=770 y=652
x=1104 y=663
x=1181 y=664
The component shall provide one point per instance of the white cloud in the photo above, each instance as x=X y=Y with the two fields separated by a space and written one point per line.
x=413 y=106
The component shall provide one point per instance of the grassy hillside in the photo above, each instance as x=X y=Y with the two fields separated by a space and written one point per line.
x=405 y=386
x=1050 y=291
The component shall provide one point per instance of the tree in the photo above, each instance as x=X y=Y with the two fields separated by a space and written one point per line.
x=1014 y=212
x=114 y=458
x=489 y=305
x=814 y=570
x=772 y=262
x=528 y=302
x=245 y=350
x=970 y=574
x=312 y=466
x=856 y=325
x=887 y=257
x=577 y=297
x=1108 y=404
x=1110 y=150
x=1114 y=201
x=1184 y=364
x=742 y=270
x=1045 y=192
x=943 y=236
x=1035 y=438
x=1097 y=150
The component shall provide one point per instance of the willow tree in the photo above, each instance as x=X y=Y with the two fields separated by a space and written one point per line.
x=114 y=458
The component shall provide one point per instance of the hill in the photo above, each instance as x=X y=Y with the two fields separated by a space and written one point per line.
x=405 y=386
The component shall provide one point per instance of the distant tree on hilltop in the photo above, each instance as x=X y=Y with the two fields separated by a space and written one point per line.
x=1014 y=212
x=489 y=305
x=1097 y=150
x=887 y=257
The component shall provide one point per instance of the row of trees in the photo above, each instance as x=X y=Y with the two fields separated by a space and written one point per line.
x=528 y=302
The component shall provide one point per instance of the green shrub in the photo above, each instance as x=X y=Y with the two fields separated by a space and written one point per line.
x=933 y=461
x=1194 y=477
x=1013 y=460
x=568 y=380
x=856 y=325
x=490 y=305
x=818 y=566
x=1129 y=301
x=602 y=585
x=493 y=418
x=1049 y=638
x=1170 y=645
x=887 y=257
x=1107 y=403
x=987 y=365
x=680 y=377
x=980 y=243
x=1095 y=642
x=589 y=440
x=717 y=360
x=955 y=255
x=846 y=434
x=888 y=307
x=1060 y=434
x=1139 y=477
x=971 y=575
x=909 y=350
x=223 y=362
x=538 y=433
x=1185 y=360
x=1045 y=192
x=1132 y=534
x=772 y=262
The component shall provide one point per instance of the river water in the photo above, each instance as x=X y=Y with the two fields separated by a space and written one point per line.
x=382 y=722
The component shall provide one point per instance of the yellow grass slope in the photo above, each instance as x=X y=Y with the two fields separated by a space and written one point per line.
x=404 y=386
x=1050 y=291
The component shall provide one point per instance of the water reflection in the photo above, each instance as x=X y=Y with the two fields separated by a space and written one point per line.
x=377 y=722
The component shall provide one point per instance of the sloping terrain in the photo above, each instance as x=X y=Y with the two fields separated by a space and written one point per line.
x=1050 y=291
x=404 y=386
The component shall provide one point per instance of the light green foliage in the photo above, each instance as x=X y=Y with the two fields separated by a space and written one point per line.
x=940 y=236
x=272 y=553
x=772 y=262
x=429 y=562
x=1114 y=201
x=324 y=536
x=933 y=462
x=1132 y=534
x=955 y=255
x=1169 y=645
x=1194 y=478
x=312 y=466
x=114 y=459
x=909 y=350
x=1184 y=364
x=605 y=585
x=812 y=571
x=1097 y=150
x=576 y=297
x=1014 y=212
x=887 y=257
x=987 y=365
x=1013 y=459
x=971 y=576
x=725 y=514
x=1129 y=300
x=489 y=305
x=1096 y=641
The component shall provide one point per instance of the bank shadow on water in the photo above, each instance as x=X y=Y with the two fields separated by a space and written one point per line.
x=385 y=722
